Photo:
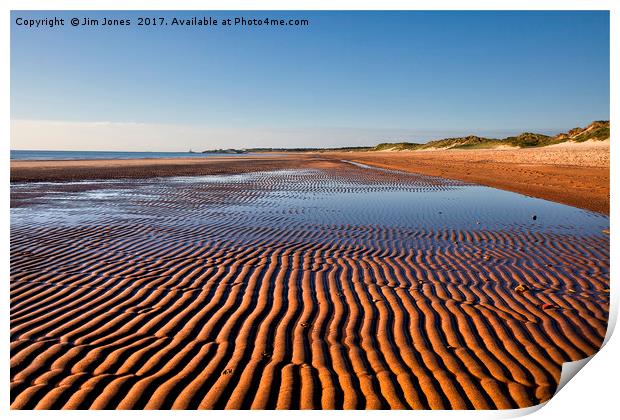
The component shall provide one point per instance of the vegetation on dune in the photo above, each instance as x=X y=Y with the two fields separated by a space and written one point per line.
x=598 y=130
x=488 y=144
x=398 y=146
x=531 y=140
x=601 y=133
x=469 y=142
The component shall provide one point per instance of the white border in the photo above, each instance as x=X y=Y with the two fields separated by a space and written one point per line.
x=592 y=394
x=308 y=5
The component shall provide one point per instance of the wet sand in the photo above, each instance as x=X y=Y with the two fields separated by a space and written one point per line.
x=288 y=283
x=576 y=174
x=75 y=170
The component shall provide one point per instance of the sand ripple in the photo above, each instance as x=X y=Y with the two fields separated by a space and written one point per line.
x=322 y=288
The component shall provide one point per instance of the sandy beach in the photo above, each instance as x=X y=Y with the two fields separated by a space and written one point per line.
x=576 y=174
x=308 y=209
x=295 y=282
x=73 y=170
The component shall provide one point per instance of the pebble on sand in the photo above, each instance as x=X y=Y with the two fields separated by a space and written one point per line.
x=522 y=288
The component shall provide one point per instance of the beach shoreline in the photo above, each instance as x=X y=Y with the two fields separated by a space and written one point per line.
x=303 y=282
x=576 y=175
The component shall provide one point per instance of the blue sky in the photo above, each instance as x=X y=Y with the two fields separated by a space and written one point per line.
x=347 y=78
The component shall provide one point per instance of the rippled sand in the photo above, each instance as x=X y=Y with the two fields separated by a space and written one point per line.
x=576 y=174
x=334 y=286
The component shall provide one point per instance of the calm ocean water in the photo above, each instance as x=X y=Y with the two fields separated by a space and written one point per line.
x=71 y=155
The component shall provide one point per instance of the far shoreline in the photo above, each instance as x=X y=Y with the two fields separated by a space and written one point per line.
x=576 y=176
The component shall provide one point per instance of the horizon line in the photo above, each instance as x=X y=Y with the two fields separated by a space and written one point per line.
x=548 y=131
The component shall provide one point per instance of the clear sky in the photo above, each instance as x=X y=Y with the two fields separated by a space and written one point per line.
x=349 y=78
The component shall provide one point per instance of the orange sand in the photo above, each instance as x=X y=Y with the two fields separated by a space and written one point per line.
x=105 y=316
x=576 y=174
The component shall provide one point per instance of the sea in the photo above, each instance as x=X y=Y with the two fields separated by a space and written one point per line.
x=81 y=155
